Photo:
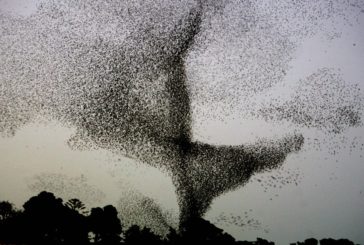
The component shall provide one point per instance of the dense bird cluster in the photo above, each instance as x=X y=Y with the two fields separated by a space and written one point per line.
x=137 y=209
x=129 y=76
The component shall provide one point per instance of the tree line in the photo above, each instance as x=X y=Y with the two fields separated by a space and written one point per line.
x=46 y=219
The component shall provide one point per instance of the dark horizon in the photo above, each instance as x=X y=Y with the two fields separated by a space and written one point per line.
x=46 y=219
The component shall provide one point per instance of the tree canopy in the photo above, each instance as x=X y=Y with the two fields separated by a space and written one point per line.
x=46 y=219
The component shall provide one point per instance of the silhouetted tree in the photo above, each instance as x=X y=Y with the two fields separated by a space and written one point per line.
x=135 y=236
x=76 y=205
x=48 y=221
x=310 y=241
x=330 y=241
x=9 y=223
x=7 y=210
x=173 y=237
x=201 y=231
x=261 y=241
x=105 y=225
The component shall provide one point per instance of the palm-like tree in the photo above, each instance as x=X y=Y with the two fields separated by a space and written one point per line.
x=76 y=205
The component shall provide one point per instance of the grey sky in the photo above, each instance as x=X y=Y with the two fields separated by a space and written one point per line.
x=326 y=202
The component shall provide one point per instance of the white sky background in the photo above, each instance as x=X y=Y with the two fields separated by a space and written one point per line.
x=327 y=202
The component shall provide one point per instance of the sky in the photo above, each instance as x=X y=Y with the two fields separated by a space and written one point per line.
x=322 y=194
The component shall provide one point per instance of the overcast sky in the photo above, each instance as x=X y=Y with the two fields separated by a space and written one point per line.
x=324 y=194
